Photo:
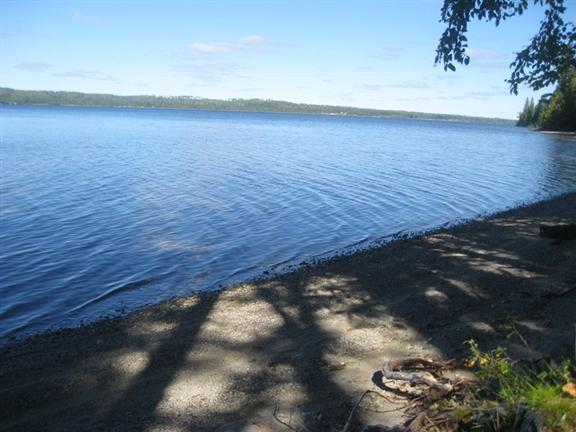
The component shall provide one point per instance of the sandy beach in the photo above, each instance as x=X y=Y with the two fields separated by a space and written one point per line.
x=308 y=342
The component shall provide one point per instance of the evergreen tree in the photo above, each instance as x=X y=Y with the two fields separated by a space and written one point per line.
x=560 y=114
x=525 y=117
x=531 y=113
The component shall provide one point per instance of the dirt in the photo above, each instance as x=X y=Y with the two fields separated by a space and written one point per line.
x=308 y=343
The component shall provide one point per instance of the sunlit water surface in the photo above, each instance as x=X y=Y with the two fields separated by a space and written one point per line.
x=106 y=210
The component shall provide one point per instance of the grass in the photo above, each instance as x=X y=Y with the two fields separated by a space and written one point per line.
x=512 y=394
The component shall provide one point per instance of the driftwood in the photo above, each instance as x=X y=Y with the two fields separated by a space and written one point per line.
x=426 y=374
x=417 y=362
x=392 y=370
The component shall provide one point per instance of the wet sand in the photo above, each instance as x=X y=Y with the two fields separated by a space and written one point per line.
x=310 y=340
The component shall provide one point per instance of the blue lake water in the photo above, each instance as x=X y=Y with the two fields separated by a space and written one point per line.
x=105 y=210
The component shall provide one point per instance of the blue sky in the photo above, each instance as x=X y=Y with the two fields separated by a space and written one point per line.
x=377 y=54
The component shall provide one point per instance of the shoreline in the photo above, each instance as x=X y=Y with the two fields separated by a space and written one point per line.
x=270 y=274
x=453 y=118
x=310 y=338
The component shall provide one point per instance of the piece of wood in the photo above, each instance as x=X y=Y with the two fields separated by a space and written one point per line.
x=421 y=377
x=417 y=362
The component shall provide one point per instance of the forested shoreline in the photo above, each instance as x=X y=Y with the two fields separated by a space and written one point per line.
x=554 y=111
x=42 y=97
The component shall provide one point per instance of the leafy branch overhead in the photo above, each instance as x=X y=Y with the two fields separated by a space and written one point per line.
x=549 y=54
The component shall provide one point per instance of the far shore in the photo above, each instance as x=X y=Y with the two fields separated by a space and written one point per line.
x=307 y=342
x=9 y=96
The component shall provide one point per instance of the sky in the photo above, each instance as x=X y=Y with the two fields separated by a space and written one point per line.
x=364 y=53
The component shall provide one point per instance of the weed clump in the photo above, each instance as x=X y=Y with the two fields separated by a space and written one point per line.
x=519 y=396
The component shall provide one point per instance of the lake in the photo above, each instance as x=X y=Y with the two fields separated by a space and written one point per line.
x=106 y=210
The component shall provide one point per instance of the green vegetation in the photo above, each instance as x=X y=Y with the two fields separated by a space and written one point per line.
x=32 y=97
x=556 y=111
x=550 y=54
x=512 y=394
x=549 y=58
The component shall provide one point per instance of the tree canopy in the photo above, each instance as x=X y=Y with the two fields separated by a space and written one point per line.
x=549 y=55
x=555 y=111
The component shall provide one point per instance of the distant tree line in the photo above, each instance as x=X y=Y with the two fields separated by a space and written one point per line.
x=39 y=97
x=556 y=111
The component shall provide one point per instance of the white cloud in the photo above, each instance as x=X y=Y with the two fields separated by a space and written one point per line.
x=32 y=66
x=403 y=85
x=474 y=53
x=486 y=59
x=209 y=48
x=252 y=40
x=247 y=43
x=207 y=71
x=478 y=95
x=86 y=74
x=386 y=54
x=76 y=73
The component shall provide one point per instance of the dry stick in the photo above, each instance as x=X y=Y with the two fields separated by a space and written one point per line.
x=289 y=426
x=387 y=400
x=517 y=333
x=561 y=292
x=430 y=422
x=385 y=411
x=435 y=422
x=416 y=423
x=393 y=401
x=416 y=361
x=349 y=421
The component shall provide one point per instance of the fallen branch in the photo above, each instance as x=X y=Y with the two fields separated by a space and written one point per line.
x=351 y=415
x=420 y=363
x=425 y=377
x=282 y=422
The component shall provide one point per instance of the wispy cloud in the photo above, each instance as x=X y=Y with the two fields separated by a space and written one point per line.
x=448 y=77
x=249 y=89
x=207 y=71
x=252 y=40
x=482 y=54
x=33 y=66
x=248 y=43
x=486 y=59
x=414 y=99
x=403 y=85
x=386 y=54
x=209 y=48
x=77 y=73
x=86 y=74
x=91 y=20
x=478 y=95
x=371 y=87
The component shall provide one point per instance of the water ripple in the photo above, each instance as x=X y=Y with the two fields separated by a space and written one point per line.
x=101 y=220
